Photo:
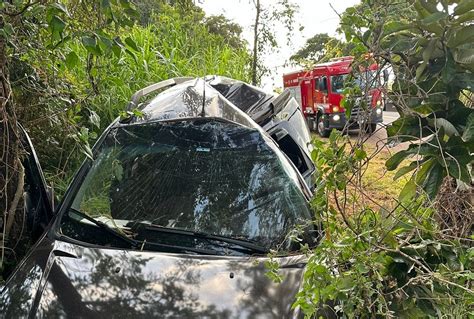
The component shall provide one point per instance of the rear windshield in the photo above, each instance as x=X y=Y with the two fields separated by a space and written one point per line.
x=209 y=176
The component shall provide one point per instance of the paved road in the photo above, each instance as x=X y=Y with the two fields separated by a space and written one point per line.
x=389 y=117
x=379 y=138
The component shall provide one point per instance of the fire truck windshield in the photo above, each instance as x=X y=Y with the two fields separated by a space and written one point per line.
x=366 y=80
x=337 y=83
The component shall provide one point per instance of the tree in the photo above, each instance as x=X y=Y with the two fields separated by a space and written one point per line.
x=264 y=38
x=22 y=24
x=413 y=260
x=231 y=32
x=320 y=48
x=429 y=46
x=148 y=8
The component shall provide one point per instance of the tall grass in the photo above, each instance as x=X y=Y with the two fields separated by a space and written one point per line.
x=168 y=49
x=172 y=45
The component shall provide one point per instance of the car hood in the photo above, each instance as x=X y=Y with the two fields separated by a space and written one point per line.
x=61 y=279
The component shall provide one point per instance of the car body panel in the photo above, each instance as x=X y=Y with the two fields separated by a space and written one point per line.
x=61 y=279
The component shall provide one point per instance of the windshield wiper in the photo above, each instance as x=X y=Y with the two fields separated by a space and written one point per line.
x=209 y=237
x=138 y=244
x=133 y=243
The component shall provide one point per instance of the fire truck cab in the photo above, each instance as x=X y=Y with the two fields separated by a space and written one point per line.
x=319 y=93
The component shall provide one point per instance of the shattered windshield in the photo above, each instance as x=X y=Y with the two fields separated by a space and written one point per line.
x=203 y=176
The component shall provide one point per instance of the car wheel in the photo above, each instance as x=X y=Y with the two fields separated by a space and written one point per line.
x=323 y=131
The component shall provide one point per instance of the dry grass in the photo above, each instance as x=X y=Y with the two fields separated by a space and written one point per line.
x=375 y=187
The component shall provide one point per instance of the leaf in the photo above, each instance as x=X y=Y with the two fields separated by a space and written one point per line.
x=131 y=54
x=131 y=44
x=434 y=179
x=125 y=4
x=117 y=170
x=117 y=50
x=57 y=25
x=464 y=54
x=393 y=162
x=420 y=69
x=428 y=6
x=94 y=119
x=428 y=51
x=408 y=191
x=463 y=80
x=468 y=134
x=105 y=42
x=422 y=173
x=449 y=128
x=72 y=60
x=458 y=170
x=395 y=26
x=90 y=43
x=463 y=7
x=409 y=126
x=8 y=28
x=405 y=169
x=468 y=16
x=60 y=7
x=360 y=154
x=435 y=17
x=460 y=36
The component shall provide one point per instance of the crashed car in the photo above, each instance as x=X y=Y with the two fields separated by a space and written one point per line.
x=176 y=214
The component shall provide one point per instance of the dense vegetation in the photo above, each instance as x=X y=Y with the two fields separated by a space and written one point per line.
x=412 y=259
x=72 y=71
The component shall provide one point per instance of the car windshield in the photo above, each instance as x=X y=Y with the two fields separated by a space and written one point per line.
x=204 y=176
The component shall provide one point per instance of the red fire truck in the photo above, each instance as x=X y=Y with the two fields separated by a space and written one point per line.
x=319 y=92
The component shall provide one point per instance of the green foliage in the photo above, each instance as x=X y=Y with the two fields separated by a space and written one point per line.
x=229 y=31
x=320 y=48
x=378 y=263
x=74 y=64
x=429 y=46
x=85 y=83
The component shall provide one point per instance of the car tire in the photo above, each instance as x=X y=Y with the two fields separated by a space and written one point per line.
x=323 y=131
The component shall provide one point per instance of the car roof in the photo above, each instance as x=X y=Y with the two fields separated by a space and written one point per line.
x=192 y=99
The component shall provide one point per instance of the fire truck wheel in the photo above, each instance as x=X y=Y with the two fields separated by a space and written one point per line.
x=322 y=129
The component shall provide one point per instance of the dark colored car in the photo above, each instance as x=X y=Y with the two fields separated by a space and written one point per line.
x=176 y=214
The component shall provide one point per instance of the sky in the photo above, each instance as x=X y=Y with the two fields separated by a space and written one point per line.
x=316 y=16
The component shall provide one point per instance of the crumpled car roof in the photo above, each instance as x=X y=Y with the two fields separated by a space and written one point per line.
x=185 y=100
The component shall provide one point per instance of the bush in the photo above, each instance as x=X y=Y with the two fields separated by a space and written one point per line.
x=380 y=263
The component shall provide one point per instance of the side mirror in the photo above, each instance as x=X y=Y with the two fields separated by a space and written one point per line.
x=50 y=193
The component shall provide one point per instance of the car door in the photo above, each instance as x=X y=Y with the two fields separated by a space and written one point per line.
x=289 y=129
x=38 y=199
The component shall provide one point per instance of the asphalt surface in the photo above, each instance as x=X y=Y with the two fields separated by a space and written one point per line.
x=379 y=138
x=389 y=117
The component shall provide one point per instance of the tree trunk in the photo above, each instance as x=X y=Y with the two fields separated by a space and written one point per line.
x=11 y=169
x=255 y=42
